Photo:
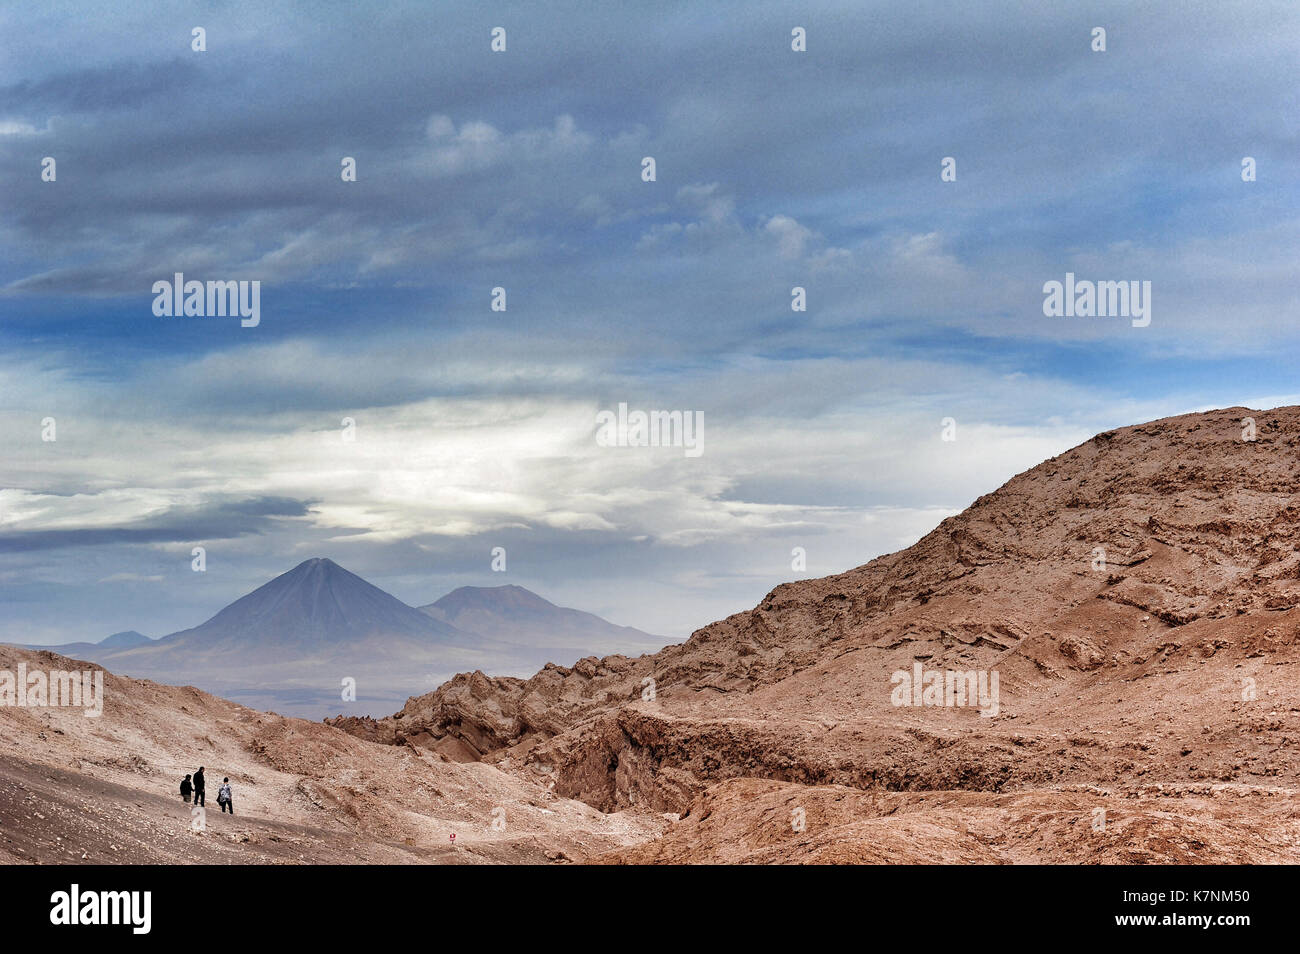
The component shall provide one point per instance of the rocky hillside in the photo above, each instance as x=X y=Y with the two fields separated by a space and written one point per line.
x=1137 y=597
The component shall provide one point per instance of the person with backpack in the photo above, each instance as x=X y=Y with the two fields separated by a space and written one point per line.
x=223 y=797
x=199 y=798
x=186 y=788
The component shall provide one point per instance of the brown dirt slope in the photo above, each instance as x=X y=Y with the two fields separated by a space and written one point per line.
x=1138 y=597
x=103 y=790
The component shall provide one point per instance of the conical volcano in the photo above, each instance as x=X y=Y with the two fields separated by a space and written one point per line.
x=317 y=604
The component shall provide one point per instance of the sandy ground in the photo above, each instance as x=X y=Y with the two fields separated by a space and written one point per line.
x=752 y=821
x=107 y=788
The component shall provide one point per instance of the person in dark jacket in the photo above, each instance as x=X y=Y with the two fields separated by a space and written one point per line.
x=223 y=797
x=198 y=788
x=186 y=788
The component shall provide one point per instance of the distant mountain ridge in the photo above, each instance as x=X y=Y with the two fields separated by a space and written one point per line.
x=121 y=640
x=317 y=603
x=513 y=614
x=128 y=638
x=293 y=642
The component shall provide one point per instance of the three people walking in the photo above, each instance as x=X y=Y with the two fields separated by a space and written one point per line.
x=195 y=784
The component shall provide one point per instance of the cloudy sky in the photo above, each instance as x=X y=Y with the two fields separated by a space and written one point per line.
x=522 y=169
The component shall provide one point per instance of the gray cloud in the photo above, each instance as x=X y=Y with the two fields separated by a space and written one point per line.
x=212 y=520
x=522 y=170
